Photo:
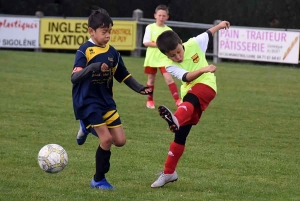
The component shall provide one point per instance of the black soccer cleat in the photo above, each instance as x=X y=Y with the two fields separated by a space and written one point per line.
x=167 y=115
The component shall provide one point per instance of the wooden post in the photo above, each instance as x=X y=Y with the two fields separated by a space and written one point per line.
x=216 y=59
x=39 y=14
x=137 y=15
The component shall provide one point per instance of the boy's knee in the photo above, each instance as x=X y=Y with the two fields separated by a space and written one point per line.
x=191 y=98
x=168 y=78
x=107 y=140
x=182 y=133
x=169 y=81
x=119 y=143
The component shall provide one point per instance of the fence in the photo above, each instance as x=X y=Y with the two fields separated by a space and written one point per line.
x=141 y=22
x=137 y=47
x=215 y=54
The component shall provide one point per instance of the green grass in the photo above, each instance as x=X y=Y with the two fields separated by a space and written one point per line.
x=246 y=147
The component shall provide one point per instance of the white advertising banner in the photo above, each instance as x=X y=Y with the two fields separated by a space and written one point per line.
x=17 y=32
x=259 y=45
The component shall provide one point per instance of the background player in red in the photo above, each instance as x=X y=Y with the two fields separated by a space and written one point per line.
x=154 y=59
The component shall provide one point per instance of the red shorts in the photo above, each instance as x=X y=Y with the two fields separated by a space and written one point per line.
x=153 y=70
x=205 y=95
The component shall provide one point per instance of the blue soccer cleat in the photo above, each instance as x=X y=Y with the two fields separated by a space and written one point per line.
x=82 y=134
x=103 y=184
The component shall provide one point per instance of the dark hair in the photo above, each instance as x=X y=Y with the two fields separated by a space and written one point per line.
x=101 y=10
x=162 y=7
x=99 y=19
x=168 y=41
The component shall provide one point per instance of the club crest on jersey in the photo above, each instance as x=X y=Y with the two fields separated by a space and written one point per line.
x=195 y=58
x=91 y=51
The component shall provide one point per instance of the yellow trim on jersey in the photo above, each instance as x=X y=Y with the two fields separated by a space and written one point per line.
x=126 y=77
x=93 y=51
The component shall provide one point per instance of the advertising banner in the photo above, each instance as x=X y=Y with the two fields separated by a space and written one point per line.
x=71 y=33
x=19 y=32
x=259 y=45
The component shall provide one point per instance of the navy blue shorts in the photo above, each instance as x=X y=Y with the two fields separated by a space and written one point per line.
x=98 y=118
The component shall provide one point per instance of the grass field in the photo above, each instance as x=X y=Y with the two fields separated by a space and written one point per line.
x=246 y=147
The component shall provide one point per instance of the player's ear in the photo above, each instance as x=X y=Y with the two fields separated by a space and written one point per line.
x=91 y=31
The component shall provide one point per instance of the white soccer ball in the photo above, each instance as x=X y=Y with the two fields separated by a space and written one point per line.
x=52 y=158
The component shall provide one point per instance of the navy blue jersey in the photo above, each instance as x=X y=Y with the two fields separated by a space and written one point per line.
x=96 y=90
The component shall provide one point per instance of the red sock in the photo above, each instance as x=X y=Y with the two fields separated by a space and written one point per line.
x=175 y=152
x=184 y=112
x=150 y=96
x=174 y=91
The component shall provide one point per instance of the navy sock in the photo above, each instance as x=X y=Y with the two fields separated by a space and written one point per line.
x=102 y=163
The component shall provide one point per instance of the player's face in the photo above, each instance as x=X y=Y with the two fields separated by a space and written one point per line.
x=161 y=16
x=177 y=54
x=100 y=36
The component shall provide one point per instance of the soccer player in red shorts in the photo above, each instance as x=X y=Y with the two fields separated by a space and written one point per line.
x=154 y=59
x=198 y=89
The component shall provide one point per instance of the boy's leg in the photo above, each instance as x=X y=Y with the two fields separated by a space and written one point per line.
x=176 y=149
x=102 y=167
x=172 y=85
x=186 y=110
x=118 y=134
x=150 y=102
x=110 y=132
x=175 y=152
x=194 y=103
x=103 y=153
x=151 y=72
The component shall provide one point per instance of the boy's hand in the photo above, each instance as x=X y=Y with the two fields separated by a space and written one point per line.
x=146 y=91
x=224 y=25
x=104 y=67
x=211 y=68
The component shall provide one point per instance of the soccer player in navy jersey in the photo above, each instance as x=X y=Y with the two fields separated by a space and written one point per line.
x=96 y=64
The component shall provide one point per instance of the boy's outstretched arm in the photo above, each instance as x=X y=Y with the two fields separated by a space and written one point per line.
x=190 y=76
x=221 y=25
x=79 y=74
x=137 y=87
